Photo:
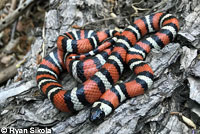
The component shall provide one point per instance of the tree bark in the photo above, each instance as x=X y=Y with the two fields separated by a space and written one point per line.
x=175 y=67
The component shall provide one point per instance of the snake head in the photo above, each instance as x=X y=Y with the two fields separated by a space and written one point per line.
x=96 y=114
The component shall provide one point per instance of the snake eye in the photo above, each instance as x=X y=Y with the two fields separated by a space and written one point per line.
x=97 y=115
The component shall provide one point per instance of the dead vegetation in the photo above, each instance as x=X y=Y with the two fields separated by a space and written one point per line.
x=28 y=31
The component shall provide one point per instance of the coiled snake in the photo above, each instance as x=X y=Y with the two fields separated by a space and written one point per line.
x=110 y=51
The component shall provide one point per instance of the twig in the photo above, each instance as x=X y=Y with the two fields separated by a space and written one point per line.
x=44 y=41
x=15 y=14
x=8 y=72
x=12 y=36
x=2 y=3
x=13 y=7
x=21 y=62
x=105 y=19
x=188 y=121
x=136 y=9
x=157 y=5
x=11 y=45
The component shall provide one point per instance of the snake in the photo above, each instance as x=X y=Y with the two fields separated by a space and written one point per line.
x=97 y=59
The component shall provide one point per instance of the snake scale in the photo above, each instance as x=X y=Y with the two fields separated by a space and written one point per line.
x=97 y=59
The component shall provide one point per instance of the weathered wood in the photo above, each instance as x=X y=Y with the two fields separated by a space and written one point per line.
x=148 y=113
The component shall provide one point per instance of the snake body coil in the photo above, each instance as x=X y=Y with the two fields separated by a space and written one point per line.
x=100 y=73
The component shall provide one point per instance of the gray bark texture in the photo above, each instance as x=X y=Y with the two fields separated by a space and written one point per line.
x=176 y=67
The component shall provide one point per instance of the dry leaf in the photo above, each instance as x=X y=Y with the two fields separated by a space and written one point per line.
x=189 y=122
